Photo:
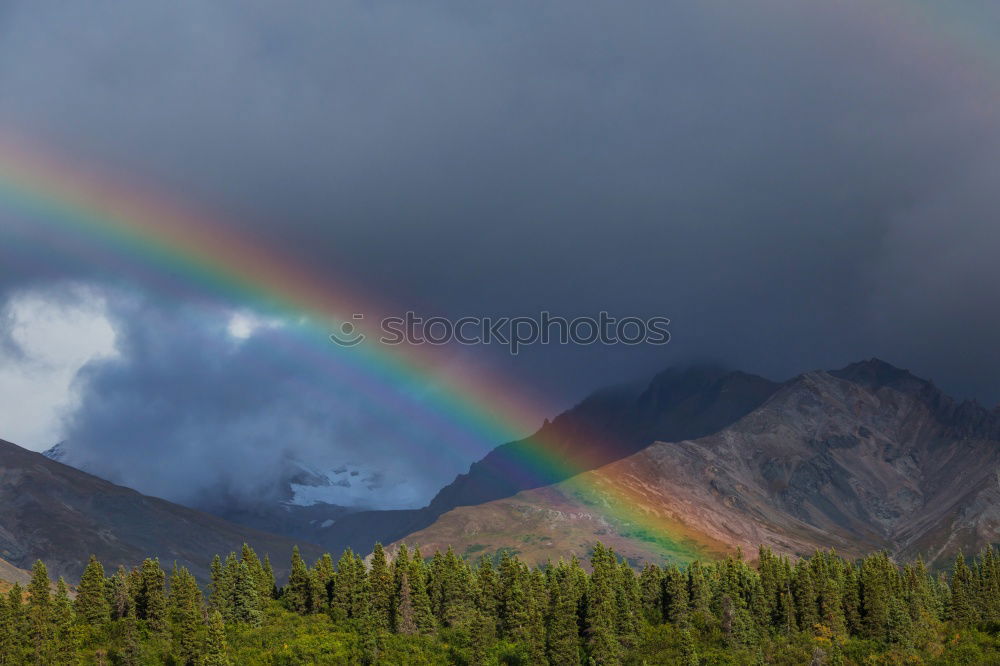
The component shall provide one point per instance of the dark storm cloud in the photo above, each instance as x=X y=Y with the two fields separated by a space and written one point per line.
x=795 y=185
x=192 y=414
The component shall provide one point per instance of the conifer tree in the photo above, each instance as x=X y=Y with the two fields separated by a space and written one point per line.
x=512 y=590
x=851 y=600
x=423 y=615
x=65 y=633
x=218 y=595
x=699 y=592
x=91 y=602
x=487 y=593
x=804 y=594
x=689 y=652
x=120 y=595
x=676 y=603
x=562 y=639
x=602 y=612
x=380 y=581
x=482 y=634
x=325 y=577
x=963 y=612
x=14 y=630
x=989 y=585
x=454 y=590
x=131 y=651
x=875 y=591
x=268 y=587
x=246 y=603
x=899 y=626
x=184 y=603
x=400 y=566
x=651 y=584
x=533 y=636
x=346 y=599
x=256 y=570
x=215 y=650
x=150 y=597
x=629 y=600
x=40 y=614
x=299 y=589
x=406 y=623
x=7 y=650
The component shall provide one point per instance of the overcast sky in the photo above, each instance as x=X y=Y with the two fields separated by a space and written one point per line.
x=795 y=185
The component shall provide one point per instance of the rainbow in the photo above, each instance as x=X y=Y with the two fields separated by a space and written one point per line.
x=173 y=245
x=162 y=239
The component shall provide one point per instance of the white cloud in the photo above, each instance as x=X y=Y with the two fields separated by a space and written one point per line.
x=244 y=324
x=48 y=338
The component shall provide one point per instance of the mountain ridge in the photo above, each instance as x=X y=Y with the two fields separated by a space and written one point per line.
x=863 y=458
x=61 y=515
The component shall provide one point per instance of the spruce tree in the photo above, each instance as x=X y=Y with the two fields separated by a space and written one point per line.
x=851 y=600
x=131 y=650
x=218 y=595
x=121 y=597
x=454 y=590
x=562 y=636
x=150 y=597
x=256 y=570
x=689 y=651
x=184 y=602
x=297 y=593
x=676 y=603
x=91 y=602
x=963 y=611
x=651 y=584
x=426 y=624
x=215 y=651
x=268 y=586
x=487 y=592
x=15 y=630
x=602 y=612
x=380 y=582
x=629 y=600
x=346 y=588
x=804 y=593
x=406 y=623
x=246 y=602
x=7 y=650
x=699 y=592
x=40 y=614
x=65 y=632
x=875 y=591
x=325 y=578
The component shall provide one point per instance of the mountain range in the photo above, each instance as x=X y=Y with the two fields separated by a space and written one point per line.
x=860 y=459
x=61 y=515
x=863 y=458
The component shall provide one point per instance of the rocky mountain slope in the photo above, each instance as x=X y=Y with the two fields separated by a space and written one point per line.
x=61 y=515
x=609 y=425
x=9 y=574
x=867 y=457
x=297 y=510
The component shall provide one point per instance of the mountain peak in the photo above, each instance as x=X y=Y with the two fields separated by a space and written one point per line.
x=875 y=373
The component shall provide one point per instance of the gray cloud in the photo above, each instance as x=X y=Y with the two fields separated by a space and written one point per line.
x=794 y=185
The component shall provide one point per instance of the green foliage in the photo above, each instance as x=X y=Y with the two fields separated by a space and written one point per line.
x=91 y=594
x=820 y=610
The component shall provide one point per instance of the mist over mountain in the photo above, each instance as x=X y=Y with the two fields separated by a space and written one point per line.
x=62 y=515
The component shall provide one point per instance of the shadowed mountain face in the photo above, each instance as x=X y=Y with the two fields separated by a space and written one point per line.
x=864 y=458
x=609 y=425
x=61 y=515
